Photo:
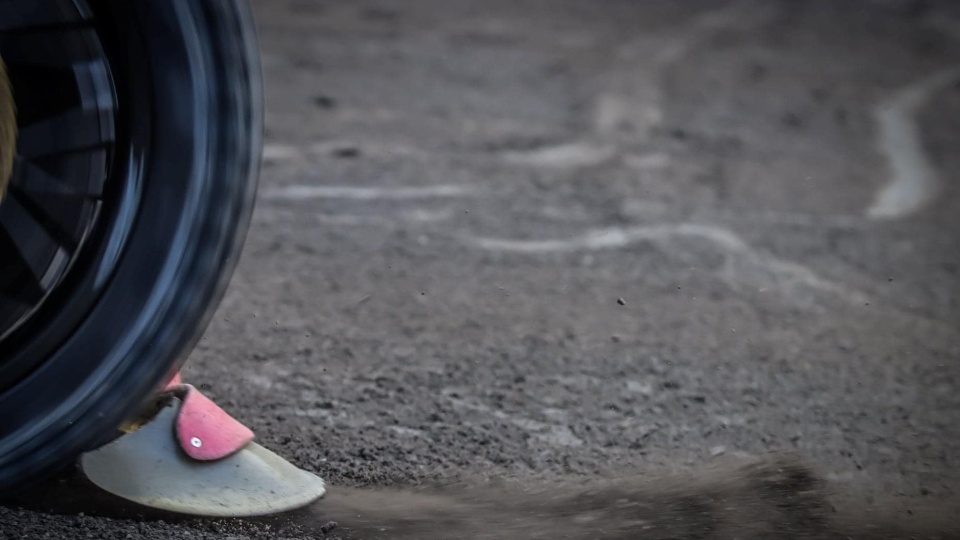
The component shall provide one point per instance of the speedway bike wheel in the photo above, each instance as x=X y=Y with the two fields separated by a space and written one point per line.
x=130 y=134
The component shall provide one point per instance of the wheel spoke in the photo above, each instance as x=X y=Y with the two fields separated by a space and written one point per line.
x=27 y=14
x=37 y=183
x=76 y=129
x=41 y=91
x=51 y=216
x=54 y=48
x=66 y=112
x=25 y=287
x=84 y=171
x=23 y=240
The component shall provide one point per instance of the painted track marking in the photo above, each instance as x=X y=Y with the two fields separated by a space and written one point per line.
x=301 y=192
x=913 y=182
x=744 y=263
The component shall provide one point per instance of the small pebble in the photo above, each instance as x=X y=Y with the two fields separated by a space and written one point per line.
x=346 y=152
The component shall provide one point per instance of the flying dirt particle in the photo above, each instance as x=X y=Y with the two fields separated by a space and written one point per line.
x=324 y=102
x=792 y=120
x=346 y=152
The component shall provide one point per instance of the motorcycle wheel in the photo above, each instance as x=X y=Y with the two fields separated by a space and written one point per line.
x=138 y=137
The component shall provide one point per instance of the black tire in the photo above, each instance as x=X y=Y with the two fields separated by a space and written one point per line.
x=124 y=222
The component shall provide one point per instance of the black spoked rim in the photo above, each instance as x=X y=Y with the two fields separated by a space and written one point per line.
x=67 y=115
x=179 y=82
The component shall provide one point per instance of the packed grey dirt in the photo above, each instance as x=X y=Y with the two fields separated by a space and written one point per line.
x=596 y=269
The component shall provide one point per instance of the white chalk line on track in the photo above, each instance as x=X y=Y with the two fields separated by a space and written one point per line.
x=744 y=264
x=913 y=177
x=302 y=192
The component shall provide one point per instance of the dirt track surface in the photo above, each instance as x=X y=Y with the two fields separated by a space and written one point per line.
x=542 y=241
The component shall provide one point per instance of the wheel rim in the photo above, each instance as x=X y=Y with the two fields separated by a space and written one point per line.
x=66 y=111
x=170 y=224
